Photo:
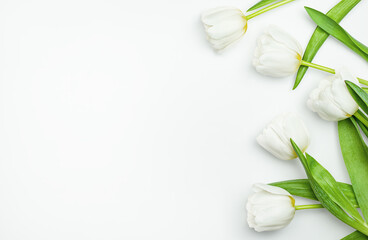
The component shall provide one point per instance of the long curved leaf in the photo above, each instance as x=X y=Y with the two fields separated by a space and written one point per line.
x=359 y=95
x=355 y=236
x=337 y=13
x=334 y=29
x=302 y=188
x=355 y=154
x=261 y=4
x=320 y=184
x=362 y=126
x=330 y=187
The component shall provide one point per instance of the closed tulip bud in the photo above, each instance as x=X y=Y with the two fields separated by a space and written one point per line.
x=332 y=100
x=275 y=138
x=269 y=208
x=224 y=26
x=277 y=53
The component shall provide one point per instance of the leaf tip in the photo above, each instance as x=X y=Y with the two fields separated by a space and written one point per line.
x=296 y=84
x=307 y=9
x=250 y=9
x=349 y=84
x=295 y=146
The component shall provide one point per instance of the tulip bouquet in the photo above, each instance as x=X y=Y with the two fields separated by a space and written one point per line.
x=338 y=98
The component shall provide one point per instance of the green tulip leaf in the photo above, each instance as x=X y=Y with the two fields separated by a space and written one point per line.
x=355 y=236
x=355 y=154
x=337 y=13
x=362 y=126
x=261 y=4
x=328 y=192
x=330 y=187
x=297 y=187
x=302 y=188
x=334 y=29
x=359 y=95
x=362 y=47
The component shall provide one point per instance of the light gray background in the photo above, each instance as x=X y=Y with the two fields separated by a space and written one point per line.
x=118 y=121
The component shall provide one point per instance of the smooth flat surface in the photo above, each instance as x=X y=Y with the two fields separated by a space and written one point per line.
x=118 y=121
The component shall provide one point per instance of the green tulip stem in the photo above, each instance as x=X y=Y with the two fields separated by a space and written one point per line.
x=362 y=81
x=312 y=206
x=316 y=66
x=266 y=9
x=359 y=115
x=327 y=69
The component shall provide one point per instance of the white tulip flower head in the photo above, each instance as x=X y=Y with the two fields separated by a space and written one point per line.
x=224 y=26
x=332 y=100
x=277 y=53
x=269 y=208
x=275 y=138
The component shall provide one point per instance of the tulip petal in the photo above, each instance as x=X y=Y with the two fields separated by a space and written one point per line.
x=283 y=37
x=275 y=138
x=224 y=26
x=269 y=208
x=271 y=189
x=297 y=131
x=214 y=16
x=332 y=100
x=277 y=54
x=341 y=93
x=220 y=44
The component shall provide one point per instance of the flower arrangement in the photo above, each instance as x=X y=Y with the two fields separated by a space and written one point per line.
x=338 y=98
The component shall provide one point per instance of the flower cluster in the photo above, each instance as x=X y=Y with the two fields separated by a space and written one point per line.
x=338 y=98
x=279 y=55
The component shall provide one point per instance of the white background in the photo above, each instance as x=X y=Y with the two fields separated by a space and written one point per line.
x=118 y=121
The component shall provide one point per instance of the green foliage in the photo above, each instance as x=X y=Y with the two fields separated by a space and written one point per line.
x=362 y=126
x=359 y=95
x=355 y=154
x=261 y=4
x=334 y=29
x=355 y=236
x=337 y=13
x=302 y=188
x=329 y=193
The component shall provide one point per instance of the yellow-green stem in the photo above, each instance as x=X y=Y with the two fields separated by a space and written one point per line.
x=312 y=206
x=316 y=66
x=362 y=81
x=266 y=9
x=327 y=69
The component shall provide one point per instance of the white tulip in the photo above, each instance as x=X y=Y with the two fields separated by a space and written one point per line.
x=332 y=100
x=277 y=53
x=269 y=208
x=224 y=25
x=275 y=138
